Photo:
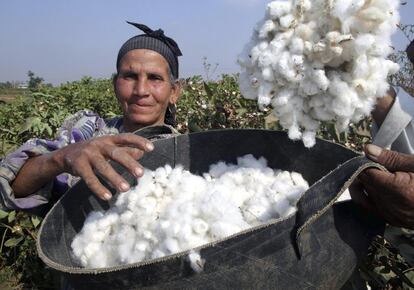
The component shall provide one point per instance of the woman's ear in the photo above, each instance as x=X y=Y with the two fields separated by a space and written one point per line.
x=175 y=92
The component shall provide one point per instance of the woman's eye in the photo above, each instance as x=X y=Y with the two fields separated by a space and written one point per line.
x=155 y=77
x=129 y=76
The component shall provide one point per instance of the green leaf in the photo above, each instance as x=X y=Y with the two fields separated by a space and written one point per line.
x=30 y=122
x=13 y=242
x=208 y=90
x=12 y=216
x=26 y=223
x=3 y=214
x=35 y=221
x=333 y=132
x=193 y=127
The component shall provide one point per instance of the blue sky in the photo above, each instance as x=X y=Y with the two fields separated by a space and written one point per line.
x=65 y=40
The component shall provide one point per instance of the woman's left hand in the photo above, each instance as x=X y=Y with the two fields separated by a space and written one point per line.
x=389 y=194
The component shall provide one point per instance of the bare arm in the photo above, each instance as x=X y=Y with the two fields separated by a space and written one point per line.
x=84 y=159
x=35 y=173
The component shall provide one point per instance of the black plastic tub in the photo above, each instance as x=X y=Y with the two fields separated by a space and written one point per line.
x=316 y=248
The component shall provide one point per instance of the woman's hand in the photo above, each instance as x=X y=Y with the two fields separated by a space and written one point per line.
x=389 y=194
x=86 y=160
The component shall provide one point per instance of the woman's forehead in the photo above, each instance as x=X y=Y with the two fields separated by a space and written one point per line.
x=143 y=57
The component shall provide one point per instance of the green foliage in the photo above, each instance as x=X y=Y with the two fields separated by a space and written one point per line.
x=208 y=105
x=18 y=258
x=40 y=113
x=385 y=268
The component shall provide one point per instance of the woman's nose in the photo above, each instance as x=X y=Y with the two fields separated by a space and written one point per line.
x=141 y=87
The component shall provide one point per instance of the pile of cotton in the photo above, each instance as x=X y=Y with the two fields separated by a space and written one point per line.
x=320 y=60
x=172 y=210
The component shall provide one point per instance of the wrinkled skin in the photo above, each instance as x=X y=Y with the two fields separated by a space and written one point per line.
x=388 y=194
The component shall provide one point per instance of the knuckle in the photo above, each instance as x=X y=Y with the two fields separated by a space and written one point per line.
x=102 y=166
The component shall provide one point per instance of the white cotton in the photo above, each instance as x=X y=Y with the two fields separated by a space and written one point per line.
x=333 y=51
x=172 y=210
x=196 y=262
x=277 y=9
x=287 y=21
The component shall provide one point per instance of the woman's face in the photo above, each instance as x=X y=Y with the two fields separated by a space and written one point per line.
x=143 y=88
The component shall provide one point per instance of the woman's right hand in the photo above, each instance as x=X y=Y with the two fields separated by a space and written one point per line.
x=86 y=159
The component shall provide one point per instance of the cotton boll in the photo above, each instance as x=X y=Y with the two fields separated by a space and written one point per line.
x=268 y=27
x=196 y=262
x=320 y=79
x=91 y=249
x=249 y=92
x=298 y=180
x=306 y=31
x=308 y=138
x=216 y=170
x=98 y=260
x=267 y=74
x=289 y=211
x=222 y=229
x=294 y=132
x=251 y=162
x=282 y=207
x=158 y=254
x=265 y=94
x=297 y=46
x=277 y=9
x=200 y=227
x=287 y=21
x=172 y=246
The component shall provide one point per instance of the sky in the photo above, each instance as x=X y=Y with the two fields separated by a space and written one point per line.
x=63 y=41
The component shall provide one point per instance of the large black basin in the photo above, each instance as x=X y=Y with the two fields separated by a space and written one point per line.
x=318 y=248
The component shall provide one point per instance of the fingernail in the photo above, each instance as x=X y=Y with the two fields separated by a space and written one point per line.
x=107 y=196
x=150 y=146
x=138 y=172
x=373 y=151
x=124 y=186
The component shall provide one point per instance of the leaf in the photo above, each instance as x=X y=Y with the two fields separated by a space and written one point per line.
x=3 y=214
x=13 y=242
x=12 y=216
x=208 y=90
x=26 y=223
x=36 y=221
x=30 y=122
x=333 y=132
x=193 y=127
x=49 y=130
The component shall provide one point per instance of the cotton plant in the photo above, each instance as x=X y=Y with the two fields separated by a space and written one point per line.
x=319 y=60
x=172 y=210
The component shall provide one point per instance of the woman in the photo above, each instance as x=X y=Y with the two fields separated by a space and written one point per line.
x=147 y=88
